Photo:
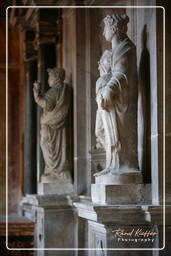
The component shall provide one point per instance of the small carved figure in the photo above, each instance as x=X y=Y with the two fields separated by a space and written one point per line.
x=55 y=104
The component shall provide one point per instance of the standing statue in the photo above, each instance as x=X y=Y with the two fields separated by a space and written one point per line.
x=55 y=104
x=117 y=97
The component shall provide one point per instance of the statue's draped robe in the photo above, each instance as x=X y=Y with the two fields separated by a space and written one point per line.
x=116 y=126
x=55 y=104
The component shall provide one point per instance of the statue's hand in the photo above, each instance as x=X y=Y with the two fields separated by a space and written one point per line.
x=106 y=93
x=37 y=85
x=104 y=104
x=106 y=99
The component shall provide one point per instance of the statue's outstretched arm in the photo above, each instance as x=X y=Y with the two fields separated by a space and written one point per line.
x=39 y=97
x=45 y=101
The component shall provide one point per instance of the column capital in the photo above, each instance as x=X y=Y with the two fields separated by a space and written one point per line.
x=46 y=26
x=45 y=33
x=30 y=53
x=39 y=20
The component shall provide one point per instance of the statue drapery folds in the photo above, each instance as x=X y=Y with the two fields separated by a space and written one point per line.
x=55 y=104
x=116 y=96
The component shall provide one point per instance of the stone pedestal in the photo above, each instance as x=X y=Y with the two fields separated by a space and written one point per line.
x=98 y=161
x=55 y=221
x=55 y=188
x=107 y=236
x=113 y=228
x=119 y=178
x=49 y=186
x=121 y=194
x=121 y=188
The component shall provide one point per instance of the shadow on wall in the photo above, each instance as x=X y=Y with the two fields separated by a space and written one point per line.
x=144 y=92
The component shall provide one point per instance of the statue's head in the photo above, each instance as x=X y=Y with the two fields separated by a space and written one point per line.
x=105 y=63
x=115 y=24
x=56 y=76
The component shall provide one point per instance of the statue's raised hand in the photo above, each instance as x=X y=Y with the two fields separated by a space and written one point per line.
x=36 y=86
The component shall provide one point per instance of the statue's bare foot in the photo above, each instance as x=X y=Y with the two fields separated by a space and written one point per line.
x=105 y=171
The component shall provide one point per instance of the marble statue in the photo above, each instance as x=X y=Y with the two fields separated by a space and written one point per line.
x=116 y=96
x=55 y=104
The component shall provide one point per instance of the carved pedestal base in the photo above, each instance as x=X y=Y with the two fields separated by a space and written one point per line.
x=121 y=194
x=111 y=228
x=104 y=236
x=55 y=188
x=49 y=186
x=55 y=222
x=120 y=178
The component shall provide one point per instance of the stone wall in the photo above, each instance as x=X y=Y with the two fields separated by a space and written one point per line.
x=15 y=119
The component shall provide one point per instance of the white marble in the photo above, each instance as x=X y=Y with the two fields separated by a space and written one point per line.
x=116 y=96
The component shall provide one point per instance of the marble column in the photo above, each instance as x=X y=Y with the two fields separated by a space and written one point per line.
x=167 y=103
x=93 y=52
x=30 y=179
x=30 y=136
x=74 y=46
